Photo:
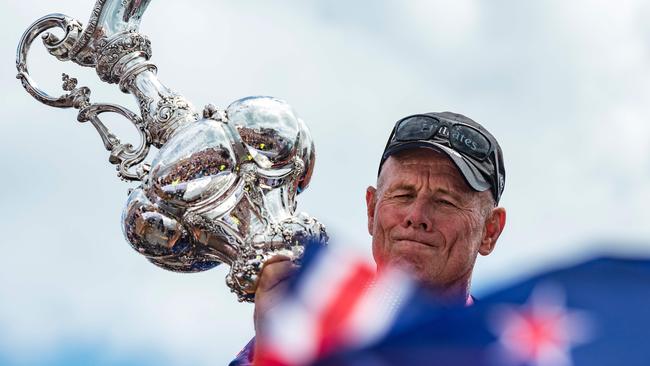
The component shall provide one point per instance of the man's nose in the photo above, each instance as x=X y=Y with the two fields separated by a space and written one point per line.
x=419 y=215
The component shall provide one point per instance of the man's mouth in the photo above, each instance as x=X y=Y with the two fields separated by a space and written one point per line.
x=407 y=241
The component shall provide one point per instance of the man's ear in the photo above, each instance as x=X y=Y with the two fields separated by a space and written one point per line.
x=494 y=225
x=370 y=207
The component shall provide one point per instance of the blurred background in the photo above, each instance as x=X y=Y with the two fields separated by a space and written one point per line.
x=564 y=86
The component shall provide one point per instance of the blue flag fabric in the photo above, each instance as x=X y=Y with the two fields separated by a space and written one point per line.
x=591 y=314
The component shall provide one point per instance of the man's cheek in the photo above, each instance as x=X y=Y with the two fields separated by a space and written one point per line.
x=380 y=250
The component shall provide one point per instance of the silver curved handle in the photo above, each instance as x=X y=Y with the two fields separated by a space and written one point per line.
x=125 y=156
x=60 y=48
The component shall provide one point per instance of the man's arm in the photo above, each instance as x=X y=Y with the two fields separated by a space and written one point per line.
x=271 y=286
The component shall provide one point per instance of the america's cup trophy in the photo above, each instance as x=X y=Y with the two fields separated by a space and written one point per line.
x=222 y=185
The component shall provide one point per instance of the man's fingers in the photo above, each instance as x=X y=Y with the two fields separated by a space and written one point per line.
x=275 y=271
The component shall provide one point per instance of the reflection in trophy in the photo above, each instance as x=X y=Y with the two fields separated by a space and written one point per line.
x=221 y=188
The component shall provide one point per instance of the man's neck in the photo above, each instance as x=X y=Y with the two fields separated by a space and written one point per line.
x=451 y=294
x=457 y=295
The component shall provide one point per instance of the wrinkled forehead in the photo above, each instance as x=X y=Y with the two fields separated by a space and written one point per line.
x=416 y=164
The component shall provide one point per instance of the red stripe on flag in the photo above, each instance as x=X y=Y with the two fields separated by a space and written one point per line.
x=333 y=320
x=269 y=358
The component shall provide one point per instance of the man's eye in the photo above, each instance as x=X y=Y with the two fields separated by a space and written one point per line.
x=445 y=202
x=403 y=195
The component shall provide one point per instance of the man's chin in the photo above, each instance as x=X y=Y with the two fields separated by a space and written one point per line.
x=415 y=268
x=408 y=262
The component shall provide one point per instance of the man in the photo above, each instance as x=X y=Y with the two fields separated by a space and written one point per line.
x=435 y=208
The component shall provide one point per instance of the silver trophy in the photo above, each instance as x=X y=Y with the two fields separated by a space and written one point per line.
x=222 y=186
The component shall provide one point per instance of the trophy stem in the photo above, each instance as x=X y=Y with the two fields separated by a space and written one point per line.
x=124 y=59
x=163 y=110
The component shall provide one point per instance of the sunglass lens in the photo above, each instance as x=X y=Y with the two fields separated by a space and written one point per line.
x=469 y=141
x=416 y=128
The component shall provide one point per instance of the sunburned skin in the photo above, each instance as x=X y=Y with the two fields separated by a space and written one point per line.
x=425 y=218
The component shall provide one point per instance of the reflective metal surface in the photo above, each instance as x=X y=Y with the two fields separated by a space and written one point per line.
x=222 y=188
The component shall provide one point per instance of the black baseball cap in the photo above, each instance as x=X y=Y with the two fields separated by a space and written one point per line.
x=468 y=144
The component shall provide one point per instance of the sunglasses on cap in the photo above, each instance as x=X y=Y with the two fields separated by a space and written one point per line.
x=481 y=166
x=463 y=138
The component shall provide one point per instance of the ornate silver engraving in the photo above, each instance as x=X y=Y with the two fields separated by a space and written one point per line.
x=171 y=112
x=114 y=50
x=88 y=58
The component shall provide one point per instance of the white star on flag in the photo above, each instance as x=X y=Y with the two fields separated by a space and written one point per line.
x=541 y=332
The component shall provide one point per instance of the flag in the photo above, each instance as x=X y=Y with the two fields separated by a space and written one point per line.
x=337 y=313
x=333 y=303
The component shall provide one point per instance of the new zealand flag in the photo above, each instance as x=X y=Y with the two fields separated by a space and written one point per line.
x=338 y=313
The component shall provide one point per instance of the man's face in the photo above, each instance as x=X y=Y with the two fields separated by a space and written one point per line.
x=424 y=217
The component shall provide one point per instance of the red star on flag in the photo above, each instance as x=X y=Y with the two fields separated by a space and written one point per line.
x=541 y=332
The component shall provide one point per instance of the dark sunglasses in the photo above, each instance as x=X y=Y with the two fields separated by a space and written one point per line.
x=461 y=137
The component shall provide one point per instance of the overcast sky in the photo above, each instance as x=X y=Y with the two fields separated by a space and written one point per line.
x=563 y=85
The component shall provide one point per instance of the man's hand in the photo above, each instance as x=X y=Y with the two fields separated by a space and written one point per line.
x=270 y=287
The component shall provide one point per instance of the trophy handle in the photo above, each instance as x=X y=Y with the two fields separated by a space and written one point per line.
x=58 y=48
x=125 y=156
x=111 y=44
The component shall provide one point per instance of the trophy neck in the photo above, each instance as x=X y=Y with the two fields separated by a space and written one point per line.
x=163 y=110
x=124 y=59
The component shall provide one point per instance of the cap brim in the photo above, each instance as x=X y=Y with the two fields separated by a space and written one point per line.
x=472 y=176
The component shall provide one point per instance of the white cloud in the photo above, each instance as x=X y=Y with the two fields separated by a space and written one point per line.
x=438 y=23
